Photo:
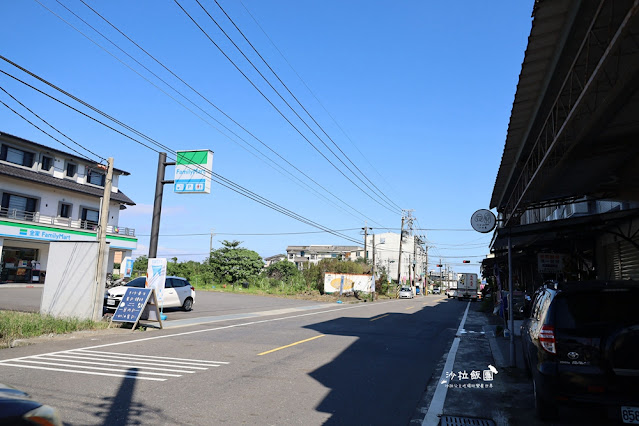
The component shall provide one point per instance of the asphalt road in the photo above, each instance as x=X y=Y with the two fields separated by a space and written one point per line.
x=283 y=362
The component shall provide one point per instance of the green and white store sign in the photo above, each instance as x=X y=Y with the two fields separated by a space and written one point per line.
x=193 y=172
x=45 y=233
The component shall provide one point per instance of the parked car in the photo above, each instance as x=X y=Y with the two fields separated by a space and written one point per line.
x=436 y=290
x=406 y=293
x=178 y=292
x=580 y=345
x=17 y=408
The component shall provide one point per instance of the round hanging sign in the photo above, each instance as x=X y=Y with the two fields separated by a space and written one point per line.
x=483 y=221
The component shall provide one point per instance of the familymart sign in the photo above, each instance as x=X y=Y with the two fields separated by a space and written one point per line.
x=193 y=172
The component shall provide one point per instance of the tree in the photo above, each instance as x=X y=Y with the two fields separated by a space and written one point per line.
x=282 y=270
x=233 y=263
x=141 y=264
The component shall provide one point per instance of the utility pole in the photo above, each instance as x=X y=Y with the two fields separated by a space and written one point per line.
x=100 y=273
x=366 y=228
x=374 y=272
x=399 y=261
x=157 y=204
x=415 y=240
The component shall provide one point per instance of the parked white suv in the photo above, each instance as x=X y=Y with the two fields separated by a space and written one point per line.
x=178 y=292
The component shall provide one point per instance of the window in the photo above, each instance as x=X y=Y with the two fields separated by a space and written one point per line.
x=96 y=178
x=90 y=216
x=16 y=156
x=71 y=169
x=47 y=162
x=65 y=210
x=18 y=207
x=176 y=282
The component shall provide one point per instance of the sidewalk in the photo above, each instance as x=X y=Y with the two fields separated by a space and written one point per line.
x=481 y=388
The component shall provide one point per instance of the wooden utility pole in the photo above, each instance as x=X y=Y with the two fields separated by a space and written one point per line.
x=100 y=270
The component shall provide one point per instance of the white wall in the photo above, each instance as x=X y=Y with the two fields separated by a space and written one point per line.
x=50 y=197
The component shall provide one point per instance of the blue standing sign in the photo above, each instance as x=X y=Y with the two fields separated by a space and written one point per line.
x=132 y=305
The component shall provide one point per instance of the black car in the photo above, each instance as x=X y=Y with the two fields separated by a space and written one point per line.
x=580 y=343
x=17 y=408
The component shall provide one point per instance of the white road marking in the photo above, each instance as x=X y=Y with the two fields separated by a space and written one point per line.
x=156 y=357
x=63 y=354
x=436 y=407
x=95 y=373
x=99 y=368
x=118 y=365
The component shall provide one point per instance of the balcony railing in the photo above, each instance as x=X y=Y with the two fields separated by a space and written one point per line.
x=36 y=217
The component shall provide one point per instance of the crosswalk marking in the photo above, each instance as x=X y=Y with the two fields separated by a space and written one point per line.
x=113 y=364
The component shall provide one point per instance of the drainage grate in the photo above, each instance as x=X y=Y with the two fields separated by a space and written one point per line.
x=465 y=421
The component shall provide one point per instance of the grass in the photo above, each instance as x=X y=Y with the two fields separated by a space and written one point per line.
x=22 y=325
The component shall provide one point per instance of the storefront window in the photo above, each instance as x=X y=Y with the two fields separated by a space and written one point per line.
x=19 y=265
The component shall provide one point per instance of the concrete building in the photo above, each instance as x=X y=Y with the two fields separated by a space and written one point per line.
x=314 y=253
x=51 y=195
x=387 y=255
x=268 y=261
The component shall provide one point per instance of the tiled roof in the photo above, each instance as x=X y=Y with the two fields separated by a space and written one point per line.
x=46 y=179
x=13 y=138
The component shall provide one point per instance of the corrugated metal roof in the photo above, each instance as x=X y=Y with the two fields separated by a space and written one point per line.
x=46 y=179
x=550 y=27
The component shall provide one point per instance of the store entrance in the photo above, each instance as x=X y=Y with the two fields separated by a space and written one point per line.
x=19 y=265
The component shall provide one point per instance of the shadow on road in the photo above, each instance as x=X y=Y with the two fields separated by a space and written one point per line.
x=381 y=377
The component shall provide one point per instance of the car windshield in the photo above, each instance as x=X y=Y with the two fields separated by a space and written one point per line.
x=405 y=289
x=138 y=282
x=578 y=310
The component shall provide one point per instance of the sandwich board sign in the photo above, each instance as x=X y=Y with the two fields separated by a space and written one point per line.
x=135 y=303
x=193 y=172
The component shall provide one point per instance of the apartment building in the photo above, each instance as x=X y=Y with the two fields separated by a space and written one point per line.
x=51 y=195
x=314 y=253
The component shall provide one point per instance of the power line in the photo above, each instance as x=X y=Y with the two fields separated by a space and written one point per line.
x=299 y=103
x=275 y=107
x=44 y=131
x=208 y=234
x=215 y=177
x=312 y=93
x=299 y=181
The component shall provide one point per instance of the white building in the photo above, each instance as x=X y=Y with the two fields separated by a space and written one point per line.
x=314 y=253
x=387 y=255
x=51 y=195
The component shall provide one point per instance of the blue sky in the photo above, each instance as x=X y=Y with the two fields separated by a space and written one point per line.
x=417 y=94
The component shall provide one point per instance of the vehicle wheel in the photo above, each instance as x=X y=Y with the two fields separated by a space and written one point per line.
x=188 y=304
x=545 y=409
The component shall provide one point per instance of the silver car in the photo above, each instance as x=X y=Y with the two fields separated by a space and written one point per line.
x=406 y=293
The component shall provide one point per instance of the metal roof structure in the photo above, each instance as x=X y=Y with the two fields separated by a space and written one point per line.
x=575 y=118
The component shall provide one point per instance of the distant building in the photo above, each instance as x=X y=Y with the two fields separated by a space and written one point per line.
x=314 y=253
x=51 y=195
x=387 y=255
x=273 y=259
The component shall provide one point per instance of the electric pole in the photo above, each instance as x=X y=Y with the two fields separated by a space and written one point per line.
x=374 y=275
x=366 y=228
x=399 y=261
x=100 y=273
x=211 y=242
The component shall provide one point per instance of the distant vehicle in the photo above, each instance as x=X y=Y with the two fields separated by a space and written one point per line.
x=451 y=292
x=178 y=292
x=436 y=290
x=406 y=293
x=580 y=345
x=17 y=408
x=467 y=286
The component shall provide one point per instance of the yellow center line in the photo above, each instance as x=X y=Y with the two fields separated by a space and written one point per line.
x=292 y=344
x=410 y=307
x=375 y=319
